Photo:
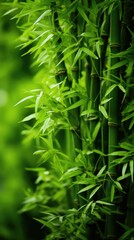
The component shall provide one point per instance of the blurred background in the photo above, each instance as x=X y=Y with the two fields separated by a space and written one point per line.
x=15 y=80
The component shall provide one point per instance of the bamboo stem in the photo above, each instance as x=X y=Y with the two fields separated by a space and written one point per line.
x=111 y=232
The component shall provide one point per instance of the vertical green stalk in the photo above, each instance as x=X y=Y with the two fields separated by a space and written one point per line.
x=103 y=85
x=113 y=122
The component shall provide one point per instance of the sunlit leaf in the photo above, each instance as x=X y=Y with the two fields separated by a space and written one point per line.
x=131 y=165
x=101 y=171
x=119 y=64
x=83 y=14
x=110 y=89
x=29 y=117
x=94 y=191
x=46 y=13
x=24 y=99
x=112 y=194
x=89 y=52
x=103 y=111
x=86 y=188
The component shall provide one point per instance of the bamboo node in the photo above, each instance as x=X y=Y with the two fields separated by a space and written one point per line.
x=114 y=45
x=61 y=71
x=94 y=75
x=75 y=69
x=113 y=124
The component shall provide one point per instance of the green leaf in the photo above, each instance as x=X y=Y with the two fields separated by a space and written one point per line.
x=126 y=146
x=83 y=14
x=24 y=99
x=119 y=64
x=103 y=111
x=127 y=234
x=110 y=89
x=105 y=101
x=38 y=101
x=96 y=214
x=46 y=13
x=121 y=88
x=112 y=193
x=87 y=188
x=98 y=152
x=128 y=117
x=89 y=52
x=123 y=177
x=48 y=122
x=77 y=56
x=75 y=105
x=118 y=185
x=131 y=165
x=72 y=172
x=47 y=39
x=96 y=131
x=119 y=153
x=94 y=191
x=88 y=206
x=131 y=124
x=67 y=55
x=10 y=11
x=124 y=168
x=104 y=203
x=29 y=117
x=101 y=171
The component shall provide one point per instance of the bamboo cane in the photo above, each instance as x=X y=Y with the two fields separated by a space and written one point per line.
x=111 y=231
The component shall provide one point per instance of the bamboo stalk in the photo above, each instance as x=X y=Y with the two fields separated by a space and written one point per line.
x=113 y=122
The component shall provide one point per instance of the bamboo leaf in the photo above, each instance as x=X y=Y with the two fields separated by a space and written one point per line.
x=87 y=188
x=121 y=88
x=123 y=177
x=112 y=193
x=46 y=13
x=96 y=131
x=47 y=123
x=104 y=203
x=105 y=101
x=128 y=117
x=103 y=111
x=131 y=165
x=68 y=54
x=75 y=105
x=119 y=64
x=10 y=11
x=126 y=146
x=101 y=171
x=131 y=124
x=96 y=214
x=38 y=101
x=118 y=185
x=89 y=52
x=72 y=172
x=110 y=89
x=23 y=100
x=124 y=168
x=47 y=39
x=88 y=206
x=29 y=117
x=83 y=14
x=98 y=152
x=118 y=153
x=77 y=56
x=127 y=234
x=94 y=191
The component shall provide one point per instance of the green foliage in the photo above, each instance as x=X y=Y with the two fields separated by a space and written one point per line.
x=82 y=116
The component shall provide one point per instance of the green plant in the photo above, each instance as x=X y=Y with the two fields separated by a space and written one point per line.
x=82 y=117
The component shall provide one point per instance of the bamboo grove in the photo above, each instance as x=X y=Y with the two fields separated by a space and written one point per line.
x=82 y=115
